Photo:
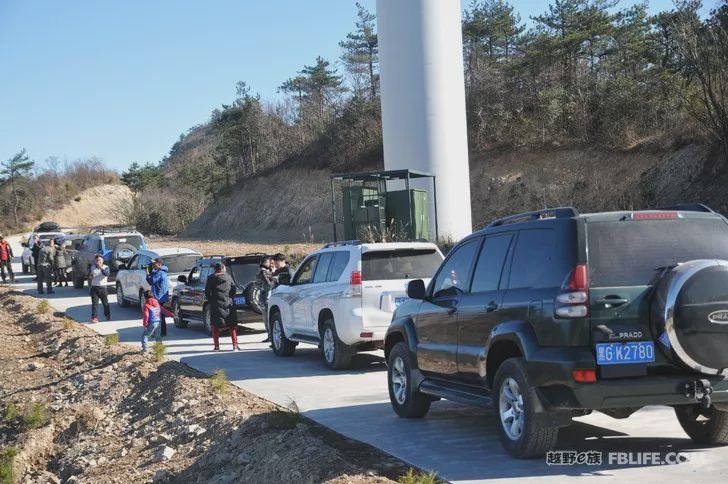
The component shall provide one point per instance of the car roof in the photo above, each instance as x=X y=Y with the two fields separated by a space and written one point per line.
x=377 y=246
x=164 y=251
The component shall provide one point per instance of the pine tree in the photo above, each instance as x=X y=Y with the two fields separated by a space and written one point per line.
x=14 y=171
x=361 y=52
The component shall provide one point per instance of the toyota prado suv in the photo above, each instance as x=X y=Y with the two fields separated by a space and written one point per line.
x=548 y=315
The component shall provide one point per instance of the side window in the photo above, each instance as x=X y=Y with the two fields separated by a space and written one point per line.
x=454 y=274
x=144 y=261
x=322 y=268
x=305 y=273
x=205 y=273
x=489 y=268
x=194 y=275
x=338 y=264
x=533 y=260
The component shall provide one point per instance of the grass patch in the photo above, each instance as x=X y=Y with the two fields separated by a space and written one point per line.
x=12 y=412
x=36 y=416
x=68 y=324
x=113 y=339
x=158 y=350
x=415 y=477
x=7 y=457
x=285 y=419
x=43 y=307
x=219 y=382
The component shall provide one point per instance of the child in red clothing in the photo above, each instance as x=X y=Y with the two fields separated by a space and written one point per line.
x=152 y=318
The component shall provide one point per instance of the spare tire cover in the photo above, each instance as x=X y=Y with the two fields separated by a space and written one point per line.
x=253 y=294
x=690 y=315
x=122 y=253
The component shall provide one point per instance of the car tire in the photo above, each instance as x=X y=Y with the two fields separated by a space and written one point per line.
x=281 y=345
x=142 y=301
x=406 y=401
x=522 y=432
x=120 y=299
x=206 y=320
x=704 y=425
x=178 y=321
x=252 y=297
x=335 y=353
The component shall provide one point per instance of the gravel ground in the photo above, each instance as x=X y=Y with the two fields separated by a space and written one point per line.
x=78 y=408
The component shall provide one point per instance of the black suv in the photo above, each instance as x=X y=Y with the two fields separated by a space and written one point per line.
x=552 y=314
x=188 y=298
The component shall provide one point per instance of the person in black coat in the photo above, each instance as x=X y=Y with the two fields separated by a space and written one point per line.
x=219 y=291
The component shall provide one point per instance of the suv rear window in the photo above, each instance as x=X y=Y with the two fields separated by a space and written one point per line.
x=399 y=264
x=243 y=272
x=180 y=263
x=631 y=253
x=112 y=242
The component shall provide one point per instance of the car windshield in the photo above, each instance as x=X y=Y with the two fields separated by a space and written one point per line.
x=180 y=263
x=112 y=242
x=632 y=253
x=399 y=264
x=243 y=272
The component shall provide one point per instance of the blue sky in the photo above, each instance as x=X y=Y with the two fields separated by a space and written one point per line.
x=121 y=80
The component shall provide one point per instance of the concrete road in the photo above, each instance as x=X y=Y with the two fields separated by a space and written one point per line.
x=459 y=443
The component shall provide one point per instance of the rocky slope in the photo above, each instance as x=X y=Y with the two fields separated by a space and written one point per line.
x=78 y=408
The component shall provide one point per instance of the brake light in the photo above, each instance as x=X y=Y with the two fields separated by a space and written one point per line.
x=356 y=278
x=654 y=215
x=584 y=376
x=366 y=334
x=573 y=300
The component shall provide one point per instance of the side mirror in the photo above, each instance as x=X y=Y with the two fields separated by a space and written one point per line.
x=416 y=289
x=182 y=279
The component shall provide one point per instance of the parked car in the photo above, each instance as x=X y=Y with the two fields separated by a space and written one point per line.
x=553 y=314
x=45 y=234
x=131 y=280
x=116 y=244
x=342 y=297
x=188 y=299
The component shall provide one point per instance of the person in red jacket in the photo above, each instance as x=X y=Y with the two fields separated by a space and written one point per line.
x=6 y=259
x=152 y=319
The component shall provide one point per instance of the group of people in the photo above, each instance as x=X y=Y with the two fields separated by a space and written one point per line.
x=273 y=272
x=51 y=263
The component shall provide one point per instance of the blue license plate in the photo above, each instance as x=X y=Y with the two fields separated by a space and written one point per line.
x=239 y=300
x=398 y=301
x=625 y=353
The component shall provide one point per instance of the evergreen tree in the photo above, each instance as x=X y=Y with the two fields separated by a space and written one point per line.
x=361 y=53
x=14 y=171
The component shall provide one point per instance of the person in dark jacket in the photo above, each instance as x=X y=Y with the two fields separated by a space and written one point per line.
x=61 y=263
x=264 y=279
x=35 y=251
x=6 y=259
x=46 y=261
x=282 y=273
x=158 y=279
x=219 y=292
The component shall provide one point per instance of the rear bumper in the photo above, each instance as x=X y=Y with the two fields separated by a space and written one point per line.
x=553 y=379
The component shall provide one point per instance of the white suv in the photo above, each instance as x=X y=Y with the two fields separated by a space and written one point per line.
x=342 y=297
x=131 y=281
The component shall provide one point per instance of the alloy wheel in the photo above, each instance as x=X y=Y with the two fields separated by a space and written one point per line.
x=511 y=409
x=399 y=381
x=277 y=334
x=329 y=345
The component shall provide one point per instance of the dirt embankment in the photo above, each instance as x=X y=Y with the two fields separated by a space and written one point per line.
x=78 y=408
x=295 y=204
x=96 y=206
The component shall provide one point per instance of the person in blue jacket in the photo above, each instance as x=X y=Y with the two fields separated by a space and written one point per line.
x=159 y=281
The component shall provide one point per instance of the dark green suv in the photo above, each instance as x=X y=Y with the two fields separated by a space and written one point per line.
x=552 y=314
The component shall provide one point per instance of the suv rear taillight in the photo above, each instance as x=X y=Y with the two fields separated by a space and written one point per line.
x=573 y=300
x=355 y=278
x=354 y=289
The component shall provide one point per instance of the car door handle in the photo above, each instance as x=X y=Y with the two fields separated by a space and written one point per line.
x=492 y=306
x=615 y=301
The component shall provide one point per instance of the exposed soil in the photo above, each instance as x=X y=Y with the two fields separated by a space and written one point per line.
x=106 y=413
x=95 y=206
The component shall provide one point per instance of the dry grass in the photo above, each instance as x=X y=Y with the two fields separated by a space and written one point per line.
x=219 y=382
x=415 y=477
x=12 y=411
x=7 y=457
x=231 y=247
x=69 y=324
x=111 y=339
x=159 y=350
x=36 y=416
x=43 y=307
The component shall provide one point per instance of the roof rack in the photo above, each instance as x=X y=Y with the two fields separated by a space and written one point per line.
x=110 y=229
x=549 y=213
x=256 y=253
x=341 y=243
x=216 y=256
x=687 y=207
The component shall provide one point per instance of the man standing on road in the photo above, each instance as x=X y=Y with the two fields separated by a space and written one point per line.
x=158 y=279
x=281 y=275
x=98 y=279
x=46 y=259
x=6 y=259
x=35 y=252
x=219 y=292
x=60 y=263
